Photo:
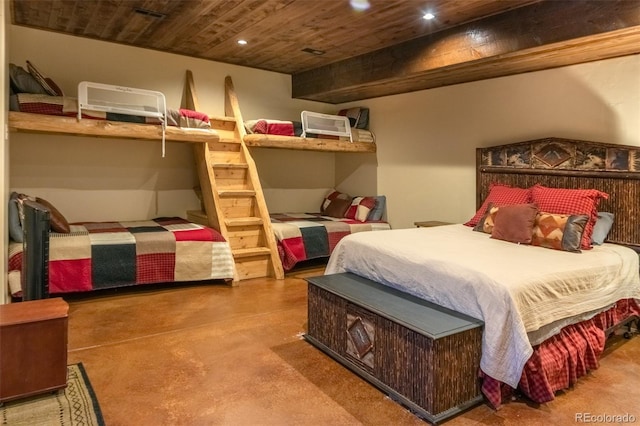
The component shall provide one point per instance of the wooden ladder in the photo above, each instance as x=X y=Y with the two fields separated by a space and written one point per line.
x=231 y=191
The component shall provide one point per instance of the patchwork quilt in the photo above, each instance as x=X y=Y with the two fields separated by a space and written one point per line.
x=99 y=255
x=306 y=236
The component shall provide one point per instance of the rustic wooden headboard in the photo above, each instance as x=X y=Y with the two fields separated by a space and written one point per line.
x=567 y=163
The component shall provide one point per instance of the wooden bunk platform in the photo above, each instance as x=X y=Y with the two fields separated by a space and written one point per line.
x=308 y=144
x=39 y=123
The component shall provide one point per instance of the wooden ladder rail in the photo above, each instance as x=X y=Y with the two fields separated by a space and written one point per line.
x=231 y=191
x=232 y=109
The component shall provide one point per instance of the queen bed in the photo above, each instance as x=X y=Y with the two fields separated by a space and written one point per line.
x=549 y=302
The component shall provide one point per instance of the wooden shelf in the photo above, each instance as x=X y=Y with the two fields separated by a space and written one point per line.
x=308 y=144
x=39 y=123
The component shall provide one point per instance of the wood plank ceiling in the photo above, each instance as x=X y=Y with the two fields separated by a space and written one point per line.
x=386 y=49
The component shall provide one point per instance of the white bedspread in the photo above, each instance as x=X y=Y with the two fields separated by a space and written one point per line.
x=513 y=288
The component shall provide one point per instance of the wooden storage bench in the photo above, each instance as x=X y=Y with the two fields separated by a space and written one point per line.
x=424 y=356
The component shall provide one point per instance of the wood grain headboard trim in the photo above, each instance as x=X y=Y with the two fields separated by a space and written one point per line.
x=568 y=163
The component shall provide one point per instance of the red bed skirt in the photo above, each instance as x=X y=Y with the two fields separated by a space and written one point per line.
x=558 y=362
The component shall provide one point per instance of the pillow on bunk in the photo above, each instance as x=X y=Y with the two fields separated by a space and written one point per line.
x=51 y=89
x=337 y=207
x=378 y=210
x=331 y=196
x=360 y=208
x=15 y=228
x=58 y=221
x=23 y=82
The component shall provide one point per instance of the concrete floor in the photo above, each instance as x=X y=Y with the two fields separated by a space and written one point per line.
x=212 y=354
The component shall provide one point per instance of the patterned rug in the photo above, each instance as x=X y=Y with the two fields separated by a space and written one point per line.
x=76 y=405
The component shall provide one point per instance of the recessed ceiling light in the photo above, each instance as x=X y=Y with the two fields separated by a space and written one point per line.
x=428 y=16
x=242 y=42
x=360 y=4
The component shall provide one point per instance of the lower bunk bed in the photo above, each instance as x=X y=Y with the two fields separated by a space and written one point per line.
x=103 y=255
x=303 y=237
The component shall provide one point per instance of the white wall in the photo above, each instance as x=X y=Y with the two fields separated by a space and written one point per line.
x=426 y=140
x=110 y=179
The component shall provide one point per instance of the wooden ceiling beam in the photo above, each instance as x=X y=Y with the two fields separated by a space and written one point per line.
x=536 y=37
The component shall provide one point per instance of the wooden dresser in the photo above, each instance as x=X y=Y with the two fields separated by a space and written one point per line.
x=33 y=347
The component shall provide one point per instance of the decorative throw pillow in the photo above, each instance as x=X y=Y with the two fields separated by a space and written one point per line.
x=332 y=195
x=514 y=223
x=486 y=222
x=15 y=228
x=337 y=207
x=378 y=210
x=559 y=231
x=360 y=208
x=602 y=227
x=501 y=195
x=571 y=202
x=23 y=82
x=58 y=222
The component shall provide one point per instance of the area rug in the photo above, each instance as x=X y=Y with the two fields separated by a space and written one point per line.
x=76 y=405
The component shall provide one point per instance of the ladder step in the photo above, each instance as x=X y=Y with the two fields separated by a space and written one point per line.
x=230 y=166
x=236 y=192
x=243 y=221
x=249 y=252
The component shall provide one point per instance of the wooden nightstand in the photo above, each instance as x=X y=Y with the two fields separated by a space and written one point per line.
x=430 y=223
x=33 y=359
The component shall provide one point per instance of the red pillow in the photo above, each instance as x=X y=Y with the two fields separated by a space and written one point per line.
x=360 y=208
x=330 y=197
x=515 y=223
x=572 y=202
x=501 y=195
x=58 y=222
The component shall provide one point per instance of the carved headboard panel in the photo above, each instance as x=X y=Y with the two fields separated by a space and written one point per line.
x=567 y=163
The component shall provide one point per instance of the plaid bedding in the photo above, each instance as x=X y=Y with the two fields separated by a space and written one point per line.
x=99 y=255
x=558 y=362
x=306 y=236
x=68 y=107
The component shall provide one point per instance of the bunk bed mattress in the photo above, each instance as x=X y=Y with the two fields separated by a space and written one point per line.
x=307 y=236
x=474 y=274
x=99 y=255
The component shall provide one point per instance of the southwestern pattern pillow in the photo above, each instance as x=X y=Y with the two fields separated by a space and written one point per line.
x=501 y=195
x=486 y=222
x=571 y=202
x=559 y=231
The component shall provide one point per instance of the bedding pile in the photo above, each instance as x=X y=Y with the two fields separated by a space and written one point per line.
x=31 y=92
